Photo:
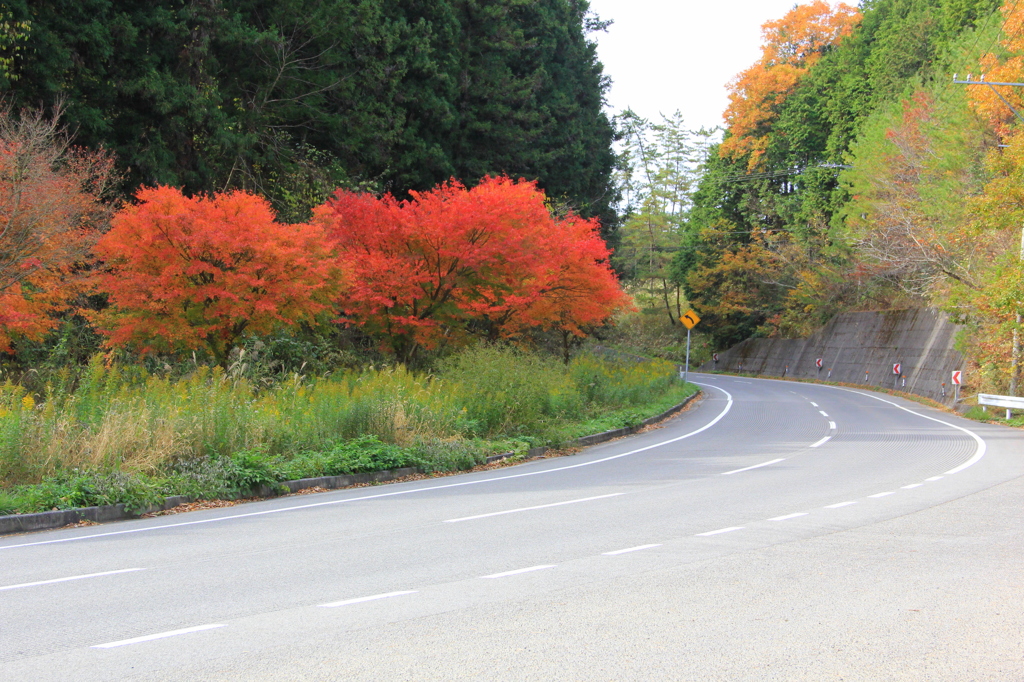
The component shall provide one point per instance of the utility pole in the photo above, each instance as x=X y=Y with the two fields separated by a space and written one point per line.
x=1015 y=359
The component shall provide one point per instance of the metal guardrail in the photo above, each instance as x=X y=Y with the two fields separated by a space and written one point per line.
x=1010 y=402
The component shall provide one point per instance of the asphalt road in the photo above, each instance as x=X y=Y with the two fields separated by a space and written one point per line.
x=776 y=531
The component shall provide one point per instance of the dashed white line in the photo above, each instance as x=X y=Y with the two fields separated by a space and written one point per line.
x=539 y=506
x=832 y=425
x=720 y=531
x=841 y=504
x=934 y=478
x=912 y=485
x=821 y=442
x=518 y=571
x=360 y=600
x=630 y=549
x=159 y=635
x=815 y=404
x=823 y=413
x=888 y=492
x=73 y=577
x=756 y=466
x=787 y=517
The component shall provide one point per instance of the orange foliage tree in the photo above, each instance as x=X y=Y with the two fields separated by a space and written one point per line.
x=450 y=262
x=1011 y=69
x=184 y=273
x=52 y=207
x=791 y=47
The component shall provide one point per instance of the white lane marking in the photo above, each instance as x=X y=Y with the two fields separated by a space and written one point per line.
x=832 y=425
x=73 y=577
x=720 y=530
x=539 y=506
x=814 y=403
x=841 y=504
x=159 y=635
x=822 y=441
x=630 y=549
x=735 y=382
x=787 y=517
x=360 y=600
x=231 y=517
x=978 y=453
x=934 y=478
x=756 y=466
x=518 y=571
x=912 y=485
x=823 y=413
x=889 y=492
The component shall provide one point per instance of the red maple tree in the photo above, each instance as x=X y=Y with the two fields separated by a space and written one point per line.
x=453 y=261
x=184 y=273
x=53 y=203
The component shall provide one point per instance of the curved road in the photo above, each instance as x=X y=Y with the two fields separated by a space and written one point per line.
x=777 y=530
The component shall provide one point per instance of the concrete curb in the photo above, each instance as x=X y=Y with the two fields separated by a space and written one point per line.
x=25 y=523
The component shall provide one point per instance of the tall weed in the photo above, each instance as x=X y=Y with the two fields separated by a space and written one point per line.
x=215 y=431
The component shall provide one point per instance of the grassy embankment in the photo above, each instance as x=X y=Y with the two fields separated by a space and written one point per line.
x=119 y=434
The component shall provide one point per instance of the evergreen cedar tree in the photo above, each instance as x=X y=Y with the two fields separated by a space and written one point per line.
x=291 y=99
x=185 y=273
x=52 y=204
x=454 y=261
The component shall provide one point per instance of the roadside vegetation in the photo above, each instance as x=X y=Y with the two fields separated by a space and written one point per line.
x=123 y=434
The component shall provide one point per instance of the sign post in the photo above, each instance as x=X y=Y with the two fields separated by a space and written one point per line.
x=689 y=320
x=818 y=363
x=957 y=380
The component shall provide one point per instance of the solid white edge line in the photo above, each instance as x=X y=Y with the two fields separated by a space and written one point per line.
x=539 y=506
x=978 y=453
x=718 y=418
x=719 y=531
x=885 y=494
x=74 y=577
x=360 y=600
x=934 y=478
x=518 y=571
x=821 y=442
x=629 y=549
x=912 y=485
x=787 y=517
x=840 y=504
x=756 y=466
x=159 y=635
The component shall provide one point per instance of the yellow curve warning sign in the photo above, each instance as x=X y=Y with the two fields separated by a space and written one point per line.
x=690 y=319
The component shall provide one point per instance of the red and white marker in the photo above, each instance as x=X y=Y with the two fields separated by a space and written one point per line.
x=896 y=369
x=957 y=378
x=817 y=363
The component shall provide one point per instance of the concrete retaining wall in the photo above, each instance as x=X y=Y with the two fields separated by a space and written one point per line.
x=861 y=348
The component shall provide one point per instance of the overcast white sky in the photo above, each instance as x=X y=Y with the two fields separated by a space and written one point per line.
x=664 y=55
